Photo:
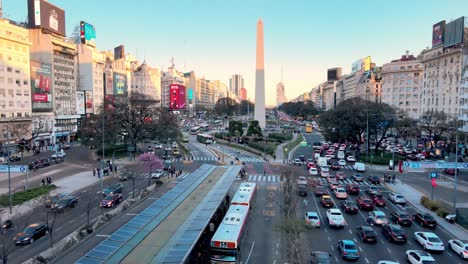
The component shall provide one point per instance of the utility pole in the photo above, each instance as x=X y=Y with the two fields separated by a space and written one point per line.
x=367 y=136
x=455 y=183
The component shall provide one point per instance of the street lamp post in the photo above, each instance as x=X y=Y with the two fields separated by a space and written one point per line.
x=456 y=175
x=367 y=136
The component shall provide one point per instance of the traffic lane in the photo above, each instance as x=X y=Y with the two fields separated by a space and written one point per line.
x=263 y=241
x=306 y=151
x=79 y=250
x=313 y=137
x=71 y=219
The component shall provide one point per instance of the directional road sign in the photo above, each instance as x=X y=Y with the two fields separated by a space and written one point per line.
x=435 y=165
x=433 y=174
x=13 y=168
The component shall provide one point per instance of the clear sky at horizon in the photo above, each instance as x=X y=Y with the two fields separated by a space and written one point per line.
x=217 y=38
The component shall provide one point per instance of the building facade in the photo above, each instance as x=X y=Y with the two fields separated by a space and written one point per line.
x=91 y=68
x=280 y=94
x=172 y=76
x=147 y=81
x=15 y=83
x=401 y=85
x=328 y=95
x=236 y=82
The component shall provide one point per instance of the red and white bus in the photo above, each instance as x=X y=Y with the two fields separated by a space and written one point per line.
x=245 y=195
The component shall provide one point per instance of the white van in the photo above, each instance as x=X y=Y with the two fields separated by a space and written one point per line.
x=359 y=167
x=340 y=155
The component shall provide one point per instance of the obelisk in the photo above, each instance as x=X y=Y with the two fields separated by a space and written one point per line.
x=260 y=78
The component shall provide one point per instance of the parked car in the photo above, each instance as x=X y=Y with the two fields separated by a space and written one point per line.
x=352 y=188
x=397 y=198
x=367 y=234
x=31 y=233
x=63 y=203
x=15 y=157
x=349 y=207
x=394 y=233
x=429 y=241
x=365 y=203
x=402 y=218
x=111 y=200
x=115 y=188
x=425 y=220
x=419 y=257
x=312 y=219
x=348 y=249
x=459 y=247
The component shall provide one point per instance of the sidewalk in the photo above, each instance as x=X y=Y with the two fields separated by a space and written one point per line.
x=413 y=196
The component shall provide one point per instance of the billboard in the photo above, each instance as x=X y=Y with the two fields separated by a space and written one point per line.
x=177 y=96
x=438 y=31
x=119 y=52
x=89 y=106
x=41 y=87
x=42 y=14
x=87 y=33
x=190 y=94
x=454 y=32
x=80 y=103
x=367 y=63
x=120 y=83
x=357 y=65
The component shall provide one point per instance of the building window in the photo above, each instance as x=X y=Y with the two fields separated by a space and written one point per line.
x=9 y=69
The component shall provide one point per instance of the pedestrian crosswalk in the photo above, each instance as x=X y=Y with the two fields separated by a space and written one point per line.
x=245 y=159
x=263 y=178
x=344 y=182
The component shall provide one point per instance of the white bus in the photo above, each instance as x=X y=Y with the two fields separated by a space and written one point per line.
x=225 y=244
x=205 y=138
x=195 y=130
x=185 y=137
x=245 y=195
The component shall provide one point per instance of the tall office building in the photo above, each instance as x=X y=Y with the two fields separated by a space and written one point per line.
x=147 y=80
x=236 y=82
x=280 y=96
x=401 y=84
x=260 y=78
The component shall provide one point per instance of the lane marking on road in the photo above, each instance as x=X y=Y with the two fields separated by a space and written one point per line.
x=351 y=232
x=329 y=239
x=367 y=261
x=98 y=235
x=84 y=191
x=410 y=242
x=250 y=253
x=355 y=240
x=450 y=254
x=389 y=251
x=360 y=249
x=336 y=258
x=274 y=262
x=58 y=228
x=131 y=214
x=331 y=247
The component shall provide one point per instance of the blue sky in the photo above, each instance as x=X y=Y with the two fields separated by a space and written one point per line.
x=217 y=38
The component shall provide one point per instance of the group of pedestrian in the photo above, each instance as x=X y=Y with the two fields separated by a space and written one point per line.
x=172 y=170
x=48 y=180
x=112 y=168
x=389 y=178
x=242 y=173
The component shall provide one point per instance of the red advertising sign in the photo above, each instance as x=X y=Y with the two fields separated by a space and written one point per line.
x=177 y=96
x=40 y=98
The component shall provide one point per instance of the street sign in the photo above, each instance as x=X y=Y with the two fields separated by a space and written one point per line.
x=435 y=165
x=13 y=168
x=433 y=174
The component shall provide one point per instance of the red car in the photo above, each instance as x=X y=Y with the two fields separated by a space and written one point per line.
x=349 y=207
x=111 y=200
x=320 y=191
x=378 y=200
x=352 y=188
x=341 y=175
x=335 y=166
x=327 y=201
x=310 y=164
x=365 y=203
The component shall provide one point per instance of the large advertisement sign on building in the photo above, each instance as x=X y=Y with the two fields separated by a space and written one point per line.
x=87 y=33
x=80 y=103
x=42 y=14
x=177 y=96
x=119 y=52
x=120 y=83
x=438 y=31
x=357 y=65
x=367 y=63
x=454 y=32
x=41 y=87
x=89 y=105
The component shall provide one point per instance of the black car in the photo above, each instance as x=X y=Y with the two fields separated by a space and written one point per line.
x=373 y=179
x=65 y=202
x=53 y=199
x=394 y=233
x=367 y=234
x=425 y=220
x=349 y=207
x=320 y=257
x=401 y=218
x=30 y=233
x=116 y=188
x=302 y=158
x=14 y=158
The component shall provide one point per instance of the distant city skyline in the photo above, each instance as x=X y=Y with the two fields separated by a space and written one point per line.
x=217 y=39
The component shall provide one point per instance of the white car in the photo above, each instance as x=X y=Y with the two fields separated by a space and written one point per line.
x=157 y=174
x=388 y=262
x=378 y=217
x=328 y=157
x=313 y=171
x=429 y=241
x=420 y=156
x=158 y=146
x=351 y=159
x=335 y=218
x=59 y=155
x=325 y=169
x=397 y=198
x=419 y=257
x=340 y=193
x=459 y=247
x=312 y=219
x=297 y=162
x=342 y=162
x=324 y=174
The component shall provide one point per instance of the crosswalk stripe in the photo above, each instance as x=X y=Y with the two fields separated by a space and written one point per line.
x=269 y=178
x=273 y=178
x=255 y=178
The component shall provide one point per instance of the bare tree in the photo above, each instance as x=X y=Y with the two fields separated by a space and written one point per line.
x=435 y=124
x=88 y=205
x=51 y=217
x=6 y=243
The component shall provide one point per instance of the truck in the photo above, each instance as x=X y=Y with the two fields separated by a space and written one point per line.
x=302 y=186
x=321 y=161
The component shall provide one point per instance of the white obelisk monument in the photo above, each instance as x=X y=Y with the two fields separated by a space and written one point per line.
x=260 y=78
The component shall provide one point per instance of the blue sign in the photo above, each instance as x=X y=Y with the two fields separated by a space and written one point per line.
x=190 y=94
x=435 y=165
x=433 y=174
x=13 y=168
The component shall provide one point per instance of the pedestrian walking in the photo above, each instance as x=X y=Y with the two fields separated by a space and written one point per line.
x=115 y=168
x=94 y=172
x=393 y=178
x=43 y=182
x=49 y=180
x=99 y=174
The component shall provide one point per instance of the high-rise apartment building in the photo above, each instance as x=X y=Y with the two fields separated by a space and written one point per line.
x=236 y=82
x=280 y=94
x=401 y=84
x=15 y=83
x=172 y=76
x=147 y=80
x=328 y=94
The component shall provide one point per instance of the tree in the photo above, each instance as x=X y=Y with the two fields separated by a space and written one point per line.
x=246 y=107
x=6 y=244
x=87 y=205
x=226 y=106
x=434 y=124
x=150 y=162
x=254 y=129
x=236 y=127
x=299 y=109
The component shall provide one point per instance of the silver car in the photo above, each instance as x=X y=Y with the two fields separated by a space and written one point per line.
x=397 y=198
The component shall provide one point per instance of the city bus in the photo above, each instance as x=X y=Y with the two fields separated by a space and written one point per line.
x=245 y=195
x=205 y=138
x=225 y=245
x=308 y=128
x=195 y=130
x=185 y=137
x=205 y=128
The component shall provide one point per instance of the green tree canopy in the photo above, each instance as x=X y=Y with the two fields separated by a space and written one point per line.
x=299 y=109
x=226 y=106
